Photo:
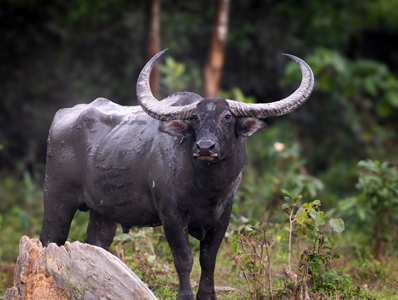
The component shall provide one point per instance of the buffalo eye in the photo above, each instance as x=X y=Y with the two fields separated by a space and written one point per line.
x=194 y=117
x=228 y=117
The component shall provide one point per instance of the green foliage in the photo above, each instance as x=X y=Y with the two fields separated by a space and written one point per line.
x=366 y=90
x=363 y=81
x=21 y=213
x=251 y=247
x=333 y=283
x=177 y=79
x=363 y=94
x=376 y=207
x=273 y=164
x=378 y=183
x=309 y=221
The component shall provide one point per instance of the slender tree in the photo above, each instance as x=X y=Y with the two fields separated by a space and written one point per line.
x=153 y=40
x=215 y=58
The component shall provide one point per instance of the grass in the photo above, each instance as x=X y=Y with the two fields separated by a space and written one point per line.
x=149 y=256
x=374 y=279
x=369 y=279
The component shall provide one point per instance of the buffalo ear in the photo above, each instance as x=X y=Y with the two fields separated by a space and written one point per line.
x=249 y=126
x=176 y=127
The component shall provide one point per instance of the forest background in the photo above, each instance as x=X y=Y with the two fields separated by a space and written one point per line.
x=56 y=54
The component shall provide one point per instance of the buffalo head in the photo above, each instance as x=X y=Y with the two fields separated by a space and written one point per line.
x=214 y=128
x=216 y=122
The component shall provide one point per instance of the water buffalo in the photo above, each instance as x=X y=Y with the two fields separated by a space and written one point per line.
x=176 y=163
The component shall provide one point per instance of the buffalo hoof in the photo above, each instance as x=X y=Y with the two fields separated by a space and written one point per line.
x=185 y=296
x=211 y=296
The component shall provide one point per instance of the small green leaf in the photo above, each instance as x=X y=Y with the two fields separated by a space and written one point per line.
x=337 y=225
x=318 y=217
x=151 y=259
x=233 y=268
x=286 y=193
x=361 y=214
x=316 y=202
x=249 y=266
x=247 y=228
x=235 y=247
x=302 y=216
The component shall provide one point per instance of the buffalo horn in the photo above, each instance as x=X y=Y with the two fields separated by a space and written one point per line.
x=151 y=105
x=160 y=111
x=281 y=107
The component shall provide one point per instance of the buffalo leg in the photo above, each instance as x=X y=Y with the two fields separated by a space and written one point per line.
x=177 y=236
x=59 y=209
x=208 y=253
x=100 y=230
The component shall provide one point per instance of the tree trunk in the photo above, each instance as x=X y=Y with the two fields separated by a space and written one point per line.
x=153 y=41
x=73 y=271
x=215 y=58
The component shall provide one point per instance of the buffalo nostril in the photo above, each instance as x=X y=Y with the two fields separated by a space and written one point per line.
x=205 y=148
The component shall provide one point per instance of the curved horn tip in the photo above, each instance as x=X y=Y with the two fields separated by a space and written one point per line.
x=292 y=57
x=163 y=51
x=157 y=55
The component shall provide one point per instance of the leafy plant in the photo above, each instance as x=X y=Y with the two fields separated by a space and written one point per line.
x=272 y=165
x=251 y=245
x=177 y=79
x=377 y=202
x=309 y=221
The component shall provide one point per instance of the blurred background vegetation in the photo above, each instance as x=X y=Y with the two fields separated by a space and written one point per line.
x=56 y=54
